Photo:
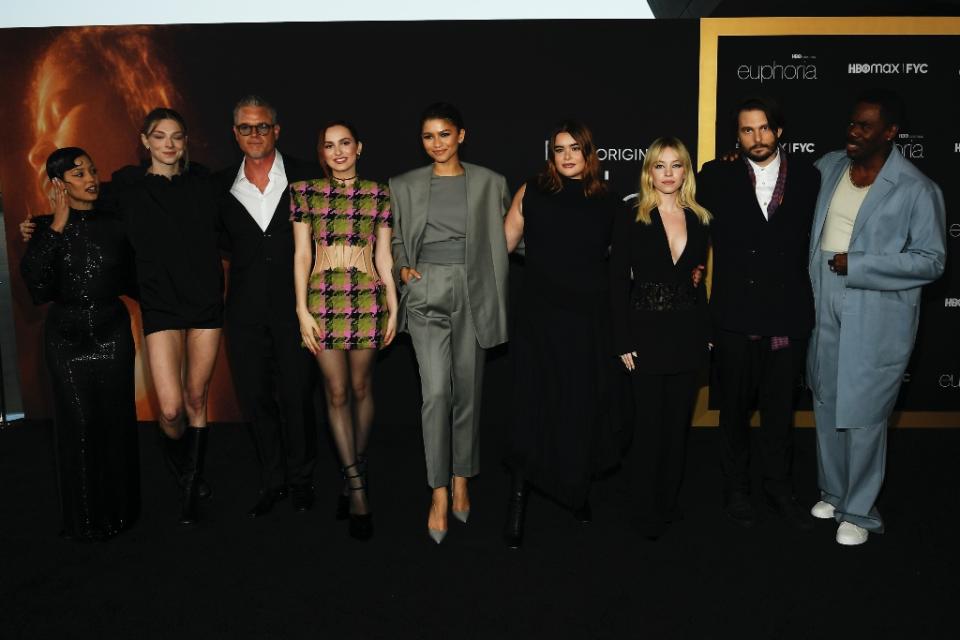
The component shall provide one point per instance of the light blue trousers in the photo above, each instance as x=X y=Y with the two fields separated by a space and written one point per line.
x=851 y=462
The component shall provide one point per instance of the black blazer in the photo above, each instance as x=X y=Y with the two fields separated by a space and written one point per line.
x=657 y=311
x=760 y=281
x=260 y=288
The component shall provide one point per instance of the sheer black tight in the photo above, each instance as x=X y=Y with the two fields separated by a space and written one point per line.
x=348 y=383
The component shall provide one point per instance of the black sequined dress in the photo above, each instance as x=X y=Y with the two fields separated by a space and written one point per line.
x=89 y=352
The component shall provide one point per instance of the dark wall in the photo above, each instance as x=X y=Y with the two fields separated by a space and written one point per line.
x=631 y=81
x=817 y=79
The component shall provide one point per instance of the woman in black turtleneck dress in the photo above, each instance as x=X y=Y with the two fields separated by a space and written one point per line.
x=566 y=402
x=79 y=260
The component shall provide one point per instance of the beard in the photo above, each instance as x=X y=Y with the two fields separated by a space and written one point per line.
x=759 y=153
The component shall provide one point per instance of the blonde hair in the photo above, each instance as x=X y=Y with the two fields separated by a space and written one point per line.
x=649 y=199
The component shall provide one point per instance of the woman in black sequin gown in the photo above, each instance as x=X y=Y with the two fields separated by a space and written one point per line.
x=567 y=406
x=660 y=322
x=79 y=260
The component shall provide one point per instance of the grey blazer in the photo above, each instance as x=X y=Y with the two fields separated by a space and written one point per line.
x=898 y=244
x=488 y=199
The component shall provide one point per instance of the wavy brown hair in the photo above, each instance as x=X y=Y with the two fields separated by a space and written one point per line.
x=549 y=179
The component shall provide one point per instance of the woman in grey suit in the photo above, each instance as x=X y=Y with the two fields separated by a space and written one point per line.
x=450 y=257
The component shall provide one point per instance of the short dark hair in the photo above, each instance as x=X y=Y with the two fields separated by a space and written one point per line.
x=769 y=106
x=62 y=160
x=892 y=109
x=442 y=111
x=253 y=100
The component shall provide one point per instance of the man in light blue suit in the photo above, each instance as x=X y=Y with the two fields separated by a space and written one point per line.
x=879 y=235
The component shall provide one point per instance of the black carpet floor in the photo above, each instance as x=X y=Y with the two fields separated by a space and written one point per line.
x=292 y=575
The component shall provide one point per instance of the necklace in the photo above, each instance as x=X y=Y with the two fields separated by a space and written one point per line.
x=854 y=182
x=342 y=182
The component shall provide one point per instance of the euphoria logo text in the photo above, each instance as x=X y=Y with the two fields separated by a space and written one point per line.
x=777 y=71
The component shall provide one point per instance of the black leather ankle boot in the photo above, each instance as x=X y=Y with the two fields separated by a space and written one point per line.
x=516 y=508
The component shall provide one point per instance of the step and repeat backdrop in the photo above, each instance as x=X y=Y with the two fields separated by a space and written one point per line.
x=816 y=68
x=631 y=81
x=512 y=80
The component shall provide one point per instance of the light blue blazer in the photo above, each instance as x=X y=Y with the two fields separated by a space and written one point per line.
x=898 y=244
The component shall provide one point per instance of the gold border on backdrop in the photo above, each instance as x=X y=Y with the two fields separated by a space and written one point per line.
x=710 y=31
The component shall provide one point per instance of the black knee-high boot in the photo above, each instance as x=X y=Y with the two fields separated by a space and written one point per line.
x=195 y=450
x=173 y=454
x=516 y=508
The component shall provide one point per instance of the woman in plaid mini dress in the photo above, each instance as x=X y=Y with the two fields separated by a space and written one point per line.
x=346 y=310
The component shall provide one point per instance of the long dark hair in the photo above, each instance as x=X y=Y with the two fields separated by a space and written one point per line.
x=549 y=179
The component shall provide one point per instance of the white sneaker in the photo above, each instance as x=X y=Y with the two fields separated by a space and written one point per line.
x=822 y=510
x=849 y=534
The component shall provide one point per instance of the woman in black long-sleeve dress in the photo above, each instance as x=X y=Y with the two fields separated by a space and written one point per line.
x=566 y=404
x=79 y=260
x=168 y=209
x=660 y=323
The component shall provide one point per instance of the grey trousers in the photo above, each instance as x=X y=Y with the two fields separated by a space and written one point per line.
x=851 y=462
x=451 y=371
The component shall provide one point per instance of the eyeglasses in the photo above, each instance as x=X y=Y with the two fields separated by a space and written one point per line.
x=263 y=128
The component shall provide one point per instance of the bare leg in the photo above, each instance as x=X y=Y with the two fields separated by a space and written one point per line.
x=437 y=520
x=201 y=348
x=165 y=356
x=461 y=500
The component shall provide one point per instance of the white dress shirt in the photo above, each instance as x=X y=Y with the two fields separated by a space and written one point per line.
x=766 y=181
x=261 y=206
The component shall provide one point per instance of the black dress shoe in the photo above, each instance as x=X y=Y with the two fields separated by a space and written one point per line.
x=268 y=498
x=301 y=497
x=792 y=513
x=583 y=514
x=203 y=489
x=516 y=510
x=740 y=511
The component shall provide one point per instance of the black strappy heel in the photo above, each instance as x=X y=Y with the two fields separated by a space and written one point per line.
x=361 y=524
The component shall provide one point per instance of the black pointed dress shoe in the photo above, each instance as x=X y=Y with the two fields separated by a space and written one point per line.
x=790 y=511
x=740 y=510
x=516 y=511
x=301 y=497
x=583 y=514
x=268 y=498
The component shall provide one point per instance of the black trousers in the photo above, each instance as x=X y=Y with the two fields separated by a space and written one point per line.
x=664 y=409
x=752 y=376
x=274 y=378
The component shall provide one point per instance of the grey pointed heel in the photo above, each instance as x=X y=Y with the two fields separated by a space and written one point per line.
x=437 y=535
x=462 y=516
